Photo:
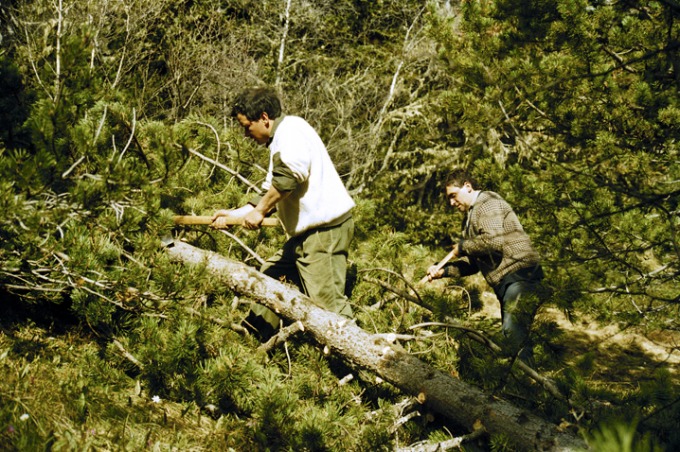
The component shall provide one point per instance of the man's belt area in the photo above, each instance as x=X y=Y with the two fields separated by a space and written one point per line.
x=531 y=275
x=333 y=224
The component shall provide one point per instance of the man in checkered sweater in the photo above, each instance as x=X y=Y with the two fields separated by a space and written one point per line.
x=495 y=244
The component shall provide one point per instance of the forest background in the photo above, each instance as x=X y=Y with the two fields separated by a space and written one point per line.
x=115 y=117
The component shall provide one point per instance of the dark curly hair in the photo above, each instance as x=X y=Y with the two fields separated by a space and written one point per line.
x=252 y=102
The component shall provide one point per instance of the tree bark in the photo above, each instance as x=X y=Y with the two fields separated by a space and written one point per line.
x=462 y=403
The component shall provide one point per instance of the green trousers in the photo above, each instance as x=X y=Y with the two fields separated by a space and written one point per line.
x=316 y=262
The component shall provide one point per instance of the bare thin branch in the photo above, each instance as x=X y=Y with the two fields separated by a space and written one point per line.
x=227 y=169
x=243 y=245
x=286 y=24
x=128 y=355
x=217 y=140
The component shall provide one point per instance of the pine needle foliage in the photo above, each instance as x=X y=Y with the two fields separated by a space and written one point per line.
x=115 y=117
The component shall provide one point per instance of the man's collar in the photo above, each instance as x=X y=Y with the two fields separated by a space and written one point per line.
x=277 y=121
x=475 y=195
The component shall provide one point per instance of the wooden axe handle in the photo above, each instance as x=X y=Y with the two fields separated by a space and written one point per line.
x=440 y=265
x=198 y=219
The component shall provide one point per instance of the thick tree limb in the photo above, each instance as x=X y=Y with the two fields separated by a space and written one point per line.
x=458 y=401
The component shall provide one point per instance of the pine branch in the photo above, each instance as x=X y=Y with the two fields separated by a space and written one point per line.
x=449 y=444
x=243 y=245
x=479 y=337
x=216 y=320
x=390 y=288
x=281 y=336
x=402 y=420
x=128 y=355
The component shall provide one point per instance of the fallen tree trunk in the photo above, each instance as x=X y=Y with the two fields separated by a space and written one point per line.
x=458 y=401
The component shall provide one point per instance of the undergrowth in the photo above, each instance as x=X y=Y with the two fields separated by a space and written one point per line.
x=186 y=380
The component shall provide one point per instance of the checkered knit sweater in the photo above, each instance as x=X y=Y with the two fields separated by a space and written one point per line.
x=494 y=241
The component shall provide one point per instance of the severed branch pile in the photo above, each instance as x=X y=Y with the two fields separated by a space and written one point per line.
x=464 y=404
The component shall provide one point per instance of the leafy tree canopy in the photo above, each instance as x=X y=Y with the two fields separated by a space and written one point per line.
x=115 y=117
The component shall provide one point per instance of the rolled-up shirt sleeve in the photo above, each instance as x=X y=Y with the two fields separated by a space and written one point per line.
x=254 y=200
x=283 y=178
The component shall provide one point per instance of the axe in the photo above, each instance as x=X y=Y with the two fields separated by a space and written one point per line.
x=440 y=265
x=231 y=221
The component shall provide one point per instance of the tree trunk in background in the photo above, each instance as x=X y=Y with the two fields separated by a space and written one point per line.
x=458 y=401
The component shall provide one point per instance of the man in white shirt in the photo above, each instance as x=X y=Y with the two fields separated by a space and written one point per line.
x=311 y=201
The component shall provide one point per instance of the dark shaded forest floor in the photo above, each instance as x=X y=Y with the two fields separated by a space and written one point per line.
x=620 y=356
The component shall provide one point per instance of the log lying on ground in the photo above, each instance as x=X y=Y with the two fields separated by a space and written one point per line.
x=458 y=401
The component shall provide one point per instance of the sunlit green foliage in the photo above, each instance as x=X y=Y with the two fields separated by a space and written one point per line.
x=115 y=116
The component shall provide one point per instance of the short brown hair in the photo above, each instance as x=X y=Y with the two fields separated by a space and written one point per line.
x=458 y=177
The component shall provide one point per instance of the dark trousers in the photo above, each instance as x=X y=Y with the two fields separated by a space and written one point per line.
x=520 y=295
x=518 y=306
